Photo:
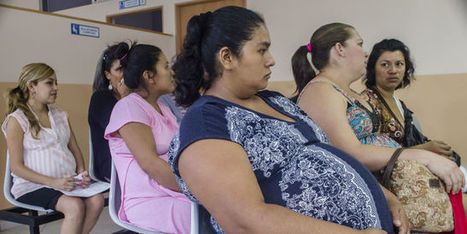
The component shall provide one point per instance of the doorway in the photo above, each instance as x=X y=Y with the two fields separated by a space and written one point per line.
x=184 y=11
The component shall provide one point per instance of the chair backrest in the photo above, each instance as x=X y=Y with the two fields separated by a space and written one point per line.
x=114 y=195
x=417 y=124
x=115 y=202
x=194 y=228
x=8 y=182
x=204 y=221
x=91 y=160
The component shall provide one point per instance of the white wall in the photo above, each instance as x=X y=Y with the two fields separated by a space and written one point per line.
x=434 y=30
x=99 y=11
x=31 y=37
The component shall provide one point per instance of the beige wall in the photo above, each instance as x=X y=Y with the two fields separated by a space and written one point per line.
x=438 y=102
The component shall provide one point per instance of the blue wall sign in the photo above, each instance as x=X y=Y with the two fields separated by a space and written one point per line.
x=84 y=30
x=124 y=4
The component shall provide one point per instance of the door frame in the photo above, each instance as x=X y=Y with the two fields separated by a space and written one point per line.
x=178 y=29
x=108 y=18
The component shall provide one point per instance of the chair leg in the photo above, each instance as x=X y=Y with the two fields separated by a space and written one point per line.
x=33 y=228
x=32 y=212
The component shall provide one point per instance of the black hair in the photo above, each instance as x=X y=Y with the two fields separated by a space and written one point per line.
x=321 y=43
x=381 y=47
x=196 y=66
x=140 y=58
x=112 y=53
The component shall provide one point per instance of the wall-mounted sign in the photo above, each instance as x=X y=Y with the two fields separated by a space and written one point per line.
x=131 y=3
x=84 y=30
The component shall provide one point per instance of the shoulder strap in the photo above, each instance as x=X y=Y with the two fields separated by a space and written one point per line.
x=347 y=96
x=387 y=106
x=390 y=166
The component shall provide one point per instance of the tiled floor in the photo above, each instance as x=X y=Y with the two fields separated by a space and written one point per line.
x=104 y=225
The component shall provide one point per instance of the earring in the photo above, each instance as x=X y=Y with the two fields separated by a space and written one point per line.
x=110 y=87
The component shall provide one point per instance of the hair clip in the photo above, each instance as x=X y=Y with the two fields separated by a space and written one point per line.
x=124 y=56
x=309 y=47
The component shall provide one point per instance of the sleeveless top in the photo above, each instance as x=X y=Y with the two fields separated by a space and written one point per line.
x=364 y=123
x=48 y=155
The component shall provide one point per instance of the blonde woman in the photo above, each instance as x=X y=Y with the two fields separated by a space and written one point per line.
x=44 y=154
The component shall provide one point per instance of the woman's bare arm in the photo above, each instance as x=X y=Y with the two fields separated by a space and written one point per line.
x=219 y=174
x=76 y=151
x=139 y=139
x=327 y=108
x=14 y=140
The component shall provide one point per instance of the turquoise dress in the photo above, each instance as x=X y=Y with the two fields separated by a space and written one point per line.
x=365 y=123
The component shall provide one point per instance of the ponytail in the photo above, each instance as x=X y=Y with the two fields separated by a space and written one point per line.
x=14 y=96
x=140 y=58
x=302 y=70
x=321 y=42
x=17 y=99
x=188 y=67
x=196 y=67
x=112 y=53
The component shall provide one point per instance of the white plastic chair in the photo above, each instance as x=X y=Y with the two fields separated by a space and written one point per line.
x=33 y=219
x=416 y=123
x=194 y=227
x=8 y=182
x=115 y=201
x=91 y=161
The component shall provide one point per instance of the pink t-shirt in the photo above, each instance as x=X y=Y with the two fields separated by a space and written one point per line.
x=169 y=210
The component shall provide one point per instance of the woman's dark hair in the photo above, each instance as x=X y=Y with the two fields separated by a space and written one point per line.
x=321 y=43
x=112 y=53
x=140 y=58
x=381 y=47
x=196 y=66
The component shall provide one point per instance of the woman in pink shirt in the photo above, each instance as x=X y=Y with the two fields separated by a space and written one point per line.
x=139 y=133
x=44 y=155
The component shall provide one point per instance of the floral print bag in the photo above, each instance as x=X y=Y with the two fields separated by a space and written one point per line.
x=421 y=193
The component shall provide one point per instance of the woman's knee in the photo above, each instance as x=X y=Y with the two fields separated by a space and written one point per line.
x=95 y=202
x=71 y=206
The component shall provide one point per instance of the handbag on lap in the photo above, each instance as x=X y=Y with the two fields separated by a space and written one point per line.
x=422 y=194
